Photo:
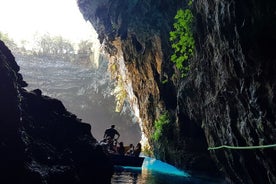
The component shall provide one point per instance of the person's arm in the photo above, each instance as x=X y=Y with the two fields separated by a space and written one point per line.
x=104 y=135
x=118 y=135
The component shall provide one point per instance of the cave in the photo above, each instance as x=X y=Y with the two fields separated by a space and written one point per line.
x=217 y=119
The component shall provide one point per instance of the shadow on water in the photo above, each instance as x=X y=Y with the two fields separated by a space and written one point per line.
x=156 y=172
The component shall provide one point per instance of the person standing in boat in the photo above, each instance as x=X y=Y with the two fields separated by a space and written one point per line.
x=111 y=132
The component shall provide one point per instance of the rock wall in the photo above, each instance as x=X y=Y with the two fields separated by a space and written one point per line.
x=233 y=87
x=11 y=152
x=136 y=52
x=228 y=97
x=41 y=142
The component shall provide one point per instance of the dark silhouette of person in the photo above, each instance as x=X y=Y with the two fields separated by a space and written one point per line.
x=130 y=150
x=111 y=132
x=121 y=149
x=137 y=150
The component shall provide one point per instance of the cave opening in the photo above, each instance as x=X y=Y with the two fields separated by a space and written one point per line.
x=59 y=53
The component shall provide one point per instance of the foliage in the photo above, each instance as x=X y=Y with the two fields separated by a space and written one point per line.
x=8 y=41
x=85 y=47
x=147 y=151
x=84 y=51
x=52 y=47
x=159 y=125
x=182 y=40
x=55 y=47
x=164 y=81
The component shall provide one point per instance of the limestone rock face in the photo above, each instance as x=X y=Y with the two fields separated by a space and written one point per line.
x=228 y=98
x=41 y=142
x=230 y=92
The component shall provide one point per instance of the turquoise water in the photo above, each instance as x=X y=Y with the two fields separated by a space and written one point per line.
x=156 y=172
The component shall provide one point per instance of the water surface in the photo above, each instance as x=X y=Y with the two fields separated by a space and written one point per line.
x=156 y=172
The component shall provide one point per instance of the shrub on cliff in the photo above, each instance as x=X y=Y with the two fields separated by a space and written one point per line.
x=182 y=40
x=159 y=125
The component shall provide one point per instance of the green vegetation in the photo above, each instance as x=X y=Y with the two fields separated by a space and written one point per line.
x=164 y=81
x=159 y=125
x=8 y=41
x=51 y=48
x=147 y=151
x=182 y=40
x=54 y=47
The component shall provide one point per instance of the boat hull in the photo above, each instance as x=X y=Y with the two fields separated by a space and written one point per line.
x=123 y=160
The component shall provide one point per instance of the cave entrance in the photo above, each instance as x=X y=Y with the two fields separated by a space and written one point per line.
x=58 y=52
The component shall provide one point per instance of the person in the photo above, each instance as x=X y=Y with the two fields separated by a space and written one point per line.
x=104 y=144
x=111 y=132
x=137 y=150
x=130 y=150
x=121 y=149
x=108 y=145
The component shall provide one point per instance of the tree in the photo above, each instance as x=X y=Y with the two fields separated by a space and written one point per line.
x=85 y=53
x=54 y=47
x=9 y=42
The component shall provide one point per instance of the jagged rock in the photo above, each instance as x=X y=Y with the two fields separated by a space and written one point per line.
x=40 y=141
x=11 y=152
x=228 y=96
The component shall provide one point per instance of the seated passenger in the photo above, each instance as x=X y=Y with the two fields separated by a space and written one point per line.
x=110 y=145
x=121 y=149
x=137 y=150
x=130 y=150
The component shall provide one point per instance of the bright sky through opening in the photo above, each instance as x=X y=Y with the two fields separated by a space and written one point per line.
x=21 y=19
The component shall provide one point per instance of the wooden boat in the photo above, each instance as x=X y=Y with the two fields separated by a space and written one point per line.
x=124 y=160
